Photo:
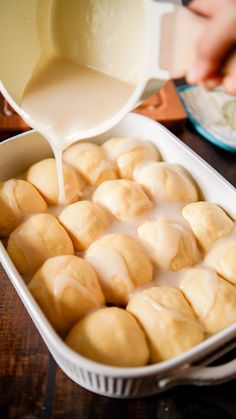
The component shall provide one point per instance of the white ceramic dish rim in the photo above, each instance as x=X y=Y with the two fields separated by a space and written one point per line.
x=180 y=362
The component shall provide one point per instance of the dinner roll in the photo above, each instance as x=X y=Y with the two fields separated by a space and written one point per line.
x=167 y=182
x=66 y=288
x=171 y=244
x=212 y=298
x=208 y=222
x=18 y=199
x=127 y=153
x=91 y=162
x=110 y=336
x=121 y=265
x=167 y=320
x=125 y=199
x=222 y=258
x=85 y=221
x=43 y=175
x=40 y=237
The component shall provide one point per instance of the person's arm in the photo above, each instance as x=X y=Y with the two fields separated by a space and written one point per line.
x=216 y=46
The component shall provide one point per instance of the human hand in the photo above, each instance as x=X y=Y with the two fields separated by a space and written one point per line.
x=216 y=49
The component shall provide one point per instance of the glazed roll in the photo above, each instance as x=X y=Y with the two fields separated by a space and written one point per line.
x=167 y=182
x=125 y=199
x=121 y=265
x=85 y=222
x=222 y=258
x=212 y=298
x=43 y=175
x=91 y=162
x=208 y=221
x=66 y=288
x=167 y=320
x=40 y=237
x=18 y=200
x=128 y=153
x=171 y=245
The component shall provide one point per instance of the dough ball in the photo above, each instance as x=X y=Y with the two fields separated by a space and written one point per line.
x=171 y=245
x=167 y=182
x=43 y=175
x=121 y=265
x=18 y=199
x=91 y=162
x=110 y=336
x=127 y=153
x=85 y=222
x=212 y=298
x=66 y=288
x=125 y=199
x=167 y=320
x=208 y=222
x=222 y=258
x=40 y=237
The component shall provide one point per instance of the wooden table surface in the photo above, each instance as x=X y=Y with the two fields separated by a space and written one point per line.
x=32 y=386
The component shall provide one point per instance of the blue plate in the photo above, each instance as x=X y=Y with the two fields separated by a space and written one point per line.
x=197 y=125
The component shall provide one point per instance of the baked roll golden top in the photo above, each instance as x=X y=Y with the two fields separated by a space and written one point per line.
x=91 y=162
x=170 y=243
x=212 y=298
x=128 y=153
x=222 y=258
x=167 y=182
x=111 y=336
x=121 y=265
x=66 y=288
x=167 y=320
x=125 y=199
x=43 y=175
x=40 y=237
x=208 y=221
x=85 y=222
x=18 y=200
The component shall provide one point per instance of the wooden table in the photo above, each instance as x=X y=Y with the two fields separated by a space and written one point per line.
x=32 y=386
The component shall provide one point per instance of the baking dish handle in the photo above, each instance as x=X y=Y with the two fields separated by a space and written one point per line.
x=200 y=375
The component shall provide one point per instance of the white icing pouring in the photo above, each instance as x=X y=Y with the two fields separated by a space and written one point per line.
x=59 y=103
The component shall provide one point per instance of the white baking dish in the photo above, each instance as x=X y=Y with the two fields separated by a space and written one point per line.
x=15 y=156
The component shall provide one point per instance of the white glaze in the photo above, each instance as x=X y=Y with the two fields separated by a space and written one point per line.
x=127 y=145
x=109 y=263
x=62 y=282
x=34 y=248
x=9 y=190
x=176 y=315
x=60 y=101
x=104 y=165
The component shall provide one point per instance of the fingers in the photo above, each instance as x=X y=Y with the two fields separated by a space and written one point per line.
x=211 y=83
x=209 y=8
x=229 y=83
x=202 y=7
x=215 y=44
